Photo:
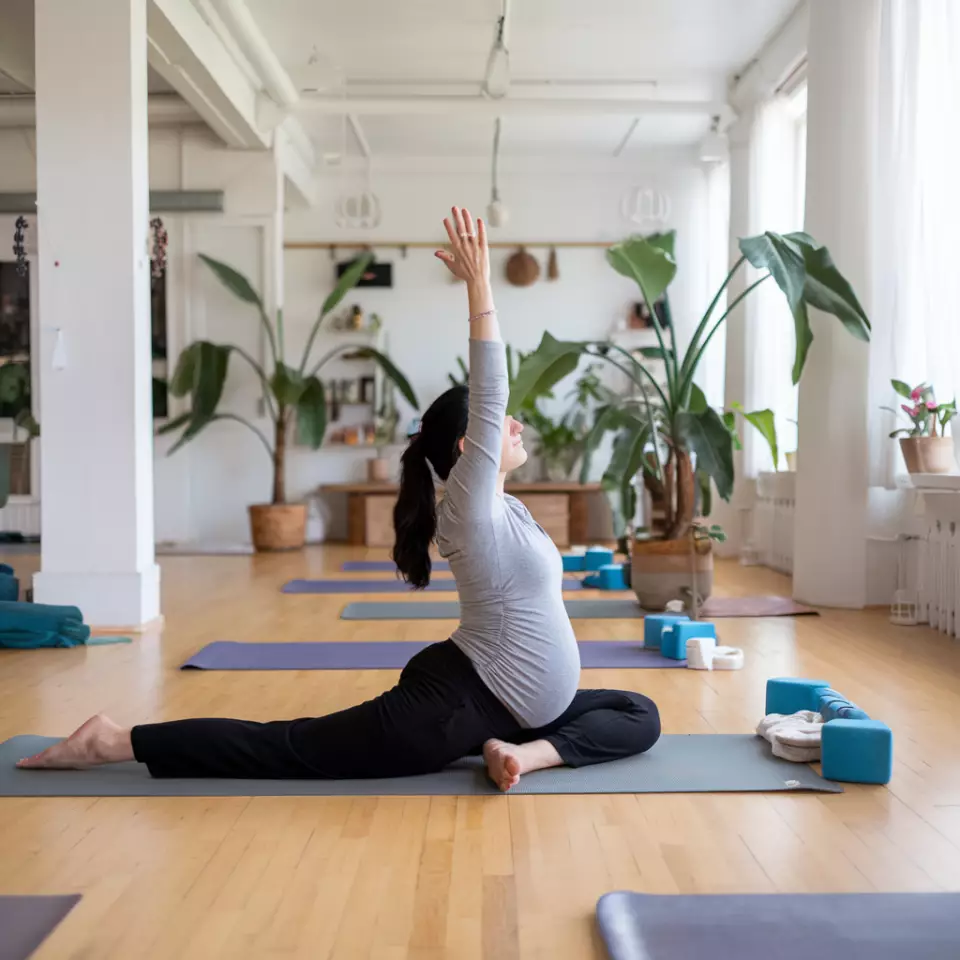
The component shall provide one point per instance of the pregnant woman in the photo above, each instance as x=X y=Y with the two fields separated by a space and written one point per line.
x=504 y=685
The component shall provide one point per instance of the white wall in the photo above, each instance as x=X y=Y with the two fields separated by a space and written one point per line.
x=203 y=490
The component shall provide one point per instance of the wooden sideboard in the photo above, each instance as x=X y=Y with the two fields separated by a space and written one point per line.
x=560 y=508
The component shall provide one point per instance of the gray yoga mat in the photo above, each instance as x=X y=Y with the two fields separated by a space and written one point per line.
x=450 y=610
x=813 y=926
x=384 y=566
x=447 y=585
x=25 y=922
x=596 y=609
x=695 y=763
x=393 y=655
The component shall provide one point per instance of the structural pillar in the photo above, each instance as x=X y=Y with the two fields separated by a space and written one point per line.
x=830 y=538
x=96 y=418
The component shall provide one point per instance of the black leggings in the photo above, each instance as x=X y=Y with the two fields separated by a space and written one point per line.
x=439 y=711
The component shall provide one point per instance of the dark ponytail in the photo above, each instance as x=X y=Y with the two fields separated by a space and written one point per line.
x=415 y=514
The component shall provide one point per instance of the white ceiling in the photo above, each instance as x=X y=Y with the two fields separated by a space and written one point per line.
x=375 y=46
x=379 y=48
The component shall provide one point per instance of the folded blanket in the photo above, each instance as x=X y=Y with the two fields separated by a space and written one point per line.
x=28 y=625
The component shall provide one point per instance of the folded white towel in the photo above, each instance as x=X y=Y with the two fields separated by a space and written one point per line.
x=727 y=658
x=794 y=736
x=700 y=652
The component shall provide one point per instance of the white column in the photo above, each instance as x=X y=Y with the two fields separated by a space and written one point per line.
x=97 y=482
x=832 y=478
x=732 y=516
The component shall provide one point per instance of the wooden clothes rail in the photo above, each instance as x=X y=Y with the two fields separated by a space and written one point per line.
x=426 y=245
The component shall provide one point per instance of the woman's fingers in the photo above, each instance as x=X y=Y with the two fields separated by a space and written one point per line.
x=468 y=227
x=481 y=234
x=451 y=232
x=447 y=258
x=458 y=221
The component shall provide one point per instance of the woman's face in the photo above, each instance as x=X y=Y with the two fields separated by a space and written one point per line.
x=512 y=452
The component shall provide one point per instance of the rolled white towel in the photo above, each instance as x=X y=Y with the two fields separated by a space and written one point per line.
x=727 y=658
x=700 y=652
x=674 y=606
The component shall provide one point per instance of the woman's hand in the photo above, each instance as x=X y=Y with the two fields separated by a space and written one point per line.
x=470 y=259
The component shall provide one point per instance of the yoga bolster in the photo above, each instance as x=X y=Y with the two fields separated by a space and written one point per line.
x=9 y=587
x=835 y=706
x=653 y=625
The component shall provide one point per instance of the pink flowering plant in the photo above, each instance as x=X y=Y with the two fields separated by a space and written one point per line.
x=923 y=411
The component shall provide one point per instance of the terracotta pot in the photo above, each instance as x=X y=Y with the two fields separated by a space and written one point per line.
x=280 y=526
x=378 y=470
x=928 y=454
x=663 y=570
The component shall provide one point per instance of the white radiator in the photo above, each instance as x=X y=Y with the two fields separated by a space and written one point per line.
x=773 y=513
x=21 y=516
x=938 y=576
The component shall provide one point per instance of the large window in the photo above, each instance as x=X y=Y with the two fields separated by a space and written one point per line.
x=15 y=376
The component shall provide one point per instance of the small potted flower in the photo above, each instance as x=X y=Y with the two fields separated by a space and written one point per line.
x=924 y=449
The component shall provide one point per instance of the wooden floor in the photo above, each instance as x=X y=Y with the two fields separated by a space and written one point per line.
x=424 y=879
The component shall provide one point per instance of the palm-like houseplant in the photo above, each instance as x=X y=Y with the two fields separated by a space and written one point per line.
x=289 y=393
x=667 y=433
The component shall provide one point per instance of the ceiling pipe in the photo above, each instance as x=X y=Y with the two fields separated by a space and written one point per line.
x=163 y=110
x=482 y=107
x=244 y=29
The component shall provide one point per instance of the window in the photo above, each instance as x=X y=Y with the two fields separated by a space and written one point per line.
x=15 y=375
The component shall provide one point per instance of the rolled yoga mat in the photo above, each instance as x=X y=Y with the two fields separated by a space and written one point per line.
x=447 y=585
x=25 y=922
x=385 y=566
x=787 y=926
x=695 y=763
x=393 y=655
x=600 y=609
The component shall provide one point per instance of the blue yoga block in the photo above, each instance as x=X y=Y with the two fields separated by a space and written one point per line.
x=574 y=563
x=653 y=624
x=598 y=557
x=9 y=587
x=611 y=577
x=592 y=581
x=673 y=642
x=790 y=694
x=857 y=751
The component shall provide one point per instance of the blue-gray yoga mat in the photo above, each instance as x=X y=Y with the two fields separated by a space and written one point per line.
x=450 y=610
x=25 y=922
x=393 y=655
x=447 y=585
x=384 y=566
x=789 y=926
x=695 y=763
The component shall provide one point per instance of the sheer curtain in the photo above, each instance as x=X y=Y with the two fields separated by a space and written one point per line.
x=916 y=312
x=710 y=373
x=776 y=203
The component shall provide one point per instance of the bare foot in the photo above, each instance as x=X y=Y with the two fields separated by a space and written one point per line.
x=503 y=763
x=98 y=741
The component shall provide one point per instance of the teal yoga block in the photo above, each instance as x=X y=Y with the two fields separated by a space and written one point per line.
x=653 y=624
x=673 y=640
x=611 y=577
x=857 y=751
x=598 y=557
x=574 y=563
x=791 y=694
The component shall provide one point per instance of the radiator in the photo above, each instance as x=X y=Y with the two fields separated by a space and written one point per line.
x=772 y=525
x=938 y=575
x=21 y=516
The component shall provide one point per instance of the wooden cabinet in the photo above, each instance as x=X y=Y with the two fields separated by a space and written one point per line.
x=560 y=508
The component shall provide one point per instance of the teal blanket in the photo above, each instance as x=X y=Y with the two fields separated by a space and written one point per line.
x=27 y=625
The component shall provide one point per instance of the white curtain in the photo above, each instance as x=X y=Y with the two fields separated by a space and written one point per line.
x=776 y=203
x=916 y=303
x=710 y=372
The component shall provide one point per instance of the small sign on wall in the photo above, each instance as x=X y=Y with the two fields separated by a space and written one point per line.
x=376 y=275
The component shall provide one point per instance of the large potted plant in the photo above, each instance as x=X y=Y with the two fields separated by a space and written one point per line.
x=666 y=432
x=290 y=393
x=924 y=451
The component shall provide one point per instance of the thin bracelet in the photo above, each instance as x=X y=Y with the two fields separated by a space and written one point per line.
x=480 y=316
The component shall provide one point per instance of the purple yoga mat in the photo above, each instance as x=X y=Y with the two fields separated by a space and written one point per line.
x=25 y=922
x=393 y=655
x=443 y=585
x=384 y=566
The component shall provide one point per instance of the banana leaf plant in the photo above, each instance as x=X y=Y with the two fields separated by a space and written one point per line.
x=289 y=392
x=667 y=432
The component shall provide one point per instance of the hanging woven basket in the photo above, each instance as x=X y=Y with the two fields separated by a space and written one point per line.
x=522 y=269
